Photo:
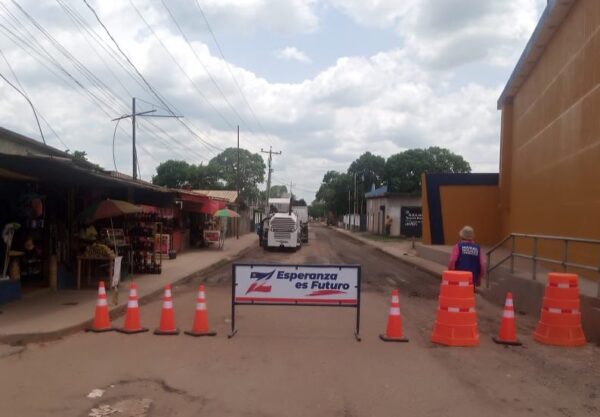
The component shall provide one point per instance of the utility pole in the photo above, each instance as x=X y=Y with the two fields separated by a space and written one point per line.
x=133 y=116
x=355 y=202
x=291 y=196
x=349 y=207
x=271 y=153
x=237 y=221
x=133 y=151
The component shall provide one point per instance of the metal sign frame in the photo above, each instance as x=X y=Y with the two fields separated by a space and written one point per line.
x=340 y=303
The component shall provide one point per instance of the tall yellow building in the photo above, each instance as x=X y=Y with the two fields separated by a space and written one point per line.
x=550 y=139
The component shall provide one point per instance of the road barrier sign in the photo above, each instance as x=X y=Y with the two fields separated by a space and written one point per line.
x=295 y=285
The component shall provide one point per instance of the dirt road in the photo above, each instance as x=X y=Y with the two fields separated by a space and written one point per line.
x=302 y=361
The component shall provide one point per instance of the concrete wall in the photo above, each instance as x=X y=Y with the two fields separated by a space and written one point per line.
x=550 y=148
x=376 y=217
x=476 y=206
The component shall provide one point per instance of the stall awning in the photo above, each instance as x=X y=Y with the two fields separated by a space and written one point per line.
x=199 y=203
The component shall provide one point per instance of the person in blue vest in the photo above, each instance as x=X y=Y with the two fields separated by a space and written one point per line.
x=467 y=256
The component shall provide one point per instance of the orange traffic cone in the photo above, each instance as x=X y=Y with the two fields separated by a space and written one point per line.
x=393 y=332
x=456 y=320
x=200 y=327
x=132 y=317
x=507 y=334
x=101 y=319
x=167 y=318
x=560 y=321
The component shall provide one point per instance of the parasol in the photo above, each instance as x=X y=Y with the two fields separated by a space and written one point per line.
x=225 y=213
x=107 y=209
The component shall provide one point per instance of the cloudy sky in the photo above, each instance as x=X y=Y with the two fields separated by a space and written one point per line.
x=320 y=80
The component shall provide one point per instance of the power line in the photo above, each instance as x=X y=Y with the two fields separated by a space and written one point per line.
x=25 y=92
x=30 y=103
x=229 y=68
x=179 y=66
x=153 y=91
x=204 y=66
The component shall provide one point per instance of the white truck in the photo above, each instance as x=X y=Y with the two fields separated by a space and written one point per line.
x=302 y=213
x=281 y=229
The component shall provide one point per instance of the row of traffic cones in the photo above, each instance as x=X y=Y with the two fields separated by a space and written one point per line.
x=456 y=320
x=133 y=323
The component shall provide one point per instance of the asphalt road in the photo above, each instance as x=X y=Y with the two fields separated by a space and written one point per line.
x=302 y=361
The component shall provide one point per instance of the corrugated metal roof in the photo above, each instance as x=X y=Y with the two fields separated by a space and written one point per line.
x=227 y=195
x=555 y=13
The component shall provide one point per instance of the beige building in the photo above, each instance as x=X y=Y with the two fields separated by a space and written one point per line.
x=381 y=203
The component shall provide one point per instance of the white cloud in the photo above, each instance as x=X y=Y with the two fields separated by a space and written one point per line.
x=291 y=53
x=446 y=33
x=384 y=103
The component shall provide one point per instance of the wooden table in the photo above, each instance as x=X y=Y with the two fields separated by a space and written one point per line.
x=89 y=260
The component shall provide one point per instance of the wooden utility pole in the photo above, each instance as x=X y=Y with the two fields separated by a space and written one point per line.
x=271 y=153
x=133 y=115
x=237 y=220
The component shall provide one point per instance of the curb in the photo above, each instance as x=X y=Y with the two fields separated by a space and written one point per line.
x=116 y=312
x=402 y=259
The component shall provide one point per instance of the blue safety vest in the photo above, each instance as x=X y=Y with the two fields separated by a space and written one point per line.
x=468 y=259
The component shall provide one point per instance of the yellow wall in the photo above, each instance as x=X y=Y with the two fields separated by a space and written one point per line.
x=476 y=206
x=550 y=157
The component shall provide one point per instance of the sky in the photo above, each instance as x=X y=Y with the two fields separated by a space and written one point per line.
x=322 y=81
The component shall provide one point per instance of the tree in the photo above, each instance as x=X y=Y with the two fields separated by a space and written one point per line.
x=317 y=209
x=173 y=174
x=334 y=191
x=204 y=177
x=252 y=171
x=369 y=169
x=403 y=170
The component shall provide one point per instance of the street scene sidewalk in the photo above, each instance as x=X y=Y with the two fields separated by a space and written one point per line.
x=400 y=249
x=528 y=292
x=50 y=314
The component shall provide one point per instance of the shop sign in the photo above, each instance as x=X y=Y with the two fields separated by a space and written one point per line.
x=411 y=221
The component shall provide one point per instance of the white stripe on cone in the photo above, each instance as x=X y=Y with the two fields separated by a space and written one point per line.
x=102 y=302
x=167 y=293
x=509 y=314
x=133 y=293
x=201 y=294
x=102 y=290
x=395 y=311
x=132 y=304
x=168 y=304
x=201 y=306
x=395 y=299
x=509 y=302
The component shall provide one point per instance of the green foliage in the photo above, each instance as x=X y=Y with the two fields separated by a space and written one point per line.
x=251 y=172
x=403 y=170
x=369 y=170
x=80 y=157
x=220 y=173
x=317 y=209
x=334 y=191
x=173 y=174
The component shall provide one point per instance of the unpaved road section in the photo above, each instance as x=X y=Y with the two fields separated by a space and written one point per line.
x=302 y=361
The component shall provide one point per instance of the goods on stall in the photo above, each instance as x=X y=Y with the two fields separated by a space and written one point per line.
x=98 y=250
x=143 y=244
